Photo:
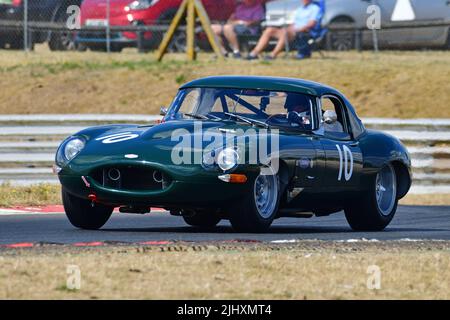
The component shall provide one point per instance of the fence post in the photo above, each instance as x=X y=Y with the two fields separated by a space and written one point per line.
x=140 y=40
x=25 y=25
x=108 y=27
x=374 y=33
x=358 y=39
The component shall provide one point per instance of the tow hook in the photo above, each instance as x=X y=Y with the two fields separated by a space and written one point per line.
x=93 y=198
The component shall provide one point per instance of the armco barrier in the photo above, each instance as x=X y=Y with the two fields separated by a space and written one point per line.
x=28 y=144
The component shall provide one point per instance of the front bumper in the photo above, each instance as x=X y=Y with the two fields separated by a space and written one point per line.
x=179 y=194
x=99 y=38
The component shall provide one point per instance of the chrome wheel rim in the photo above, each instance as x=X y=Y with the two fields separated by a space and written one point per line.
x=266 y=194
x=386 y=190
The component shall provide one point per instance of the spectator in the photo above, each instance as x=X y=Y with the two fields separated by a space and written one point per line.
x=244 y=21
x=305 y=18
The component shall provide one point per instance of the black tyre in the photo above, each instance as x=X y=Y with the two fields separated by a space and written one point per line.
x=257 y=210
x=82 y=214
x=377 y=207
x=202 y=219
x=63 y=40
x=342 y=40
x=18 y=45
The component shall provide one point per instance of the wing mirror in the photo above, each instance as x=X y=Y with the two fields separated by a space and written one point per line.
x=163 y=111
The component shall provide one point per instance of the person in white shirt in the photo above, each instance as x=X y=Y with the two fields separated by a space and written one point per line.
x=305 y=18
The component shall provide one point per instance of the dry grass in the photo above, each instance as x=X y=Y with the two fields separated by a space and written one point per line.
x=47 y=194
x=390 y=84
x=426 y=200
x=41 y=194
x=313 y=270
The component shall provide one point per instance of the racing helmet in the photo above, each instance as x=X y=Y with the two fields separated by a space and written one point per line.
x=296 y=102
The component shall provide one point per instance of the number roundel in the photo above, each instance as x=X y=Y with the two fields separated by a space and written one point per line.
x=118 y=137
x=345 y=163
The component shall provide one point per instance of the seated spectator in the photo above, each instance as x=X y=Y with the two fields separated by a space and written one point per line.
x=305 y=18
x=244 y=21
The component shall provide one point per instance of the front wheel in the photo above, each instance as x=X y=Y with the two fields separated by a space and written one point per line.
x=82 y=214
x=377 y=207
x=257 y=210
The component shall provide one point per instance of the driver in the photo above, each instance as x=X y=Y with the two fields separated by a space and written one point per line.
x=298 y=110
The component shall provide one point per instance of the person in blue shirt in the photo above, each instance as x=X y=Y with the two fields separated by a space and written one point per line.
x=305 y=18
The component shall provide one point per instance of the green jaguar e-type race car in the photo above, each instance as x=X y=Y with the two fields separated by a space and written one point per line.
x=245 y=149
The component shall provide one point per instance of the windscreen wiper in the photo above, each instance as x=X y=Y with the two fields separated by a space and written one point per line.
x=247 y=120
x=202 y=116
x=196 y=116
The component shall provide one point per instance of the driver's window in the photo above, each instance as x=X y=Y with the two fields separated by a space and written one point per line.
x=333 y=118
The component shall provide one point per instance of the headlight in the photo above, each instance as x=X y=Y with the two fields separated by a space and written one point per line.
x=73 y=147
x=142 y=4
x=227 y=159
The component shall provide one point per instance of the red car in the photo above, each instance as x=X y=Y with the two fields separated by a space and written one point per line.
x=139 y=12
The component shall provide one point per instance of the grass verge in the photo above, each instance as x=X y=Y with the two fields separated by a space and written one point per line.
x=41 y=194
x=47 y=194
x=388 y=84
x=305 y=270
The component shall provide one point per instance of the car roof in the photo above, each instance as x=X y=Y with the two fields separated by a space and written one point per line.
x=263 y=83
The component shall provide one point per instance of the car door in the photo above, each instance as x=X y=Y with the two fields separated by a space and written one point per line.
x=429 y=11
x=343 y=155
x=392 y=12
x=309 y=161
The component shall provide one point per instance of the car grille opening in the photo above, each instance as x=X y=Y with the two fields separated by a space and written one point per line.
x=131 y=178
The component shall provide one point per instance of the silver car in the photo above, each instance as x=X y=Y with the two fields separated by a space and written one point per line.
x=424 y=12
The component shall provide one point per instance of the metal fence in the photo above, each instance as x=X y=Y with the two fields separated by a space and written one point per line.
x=106 y=26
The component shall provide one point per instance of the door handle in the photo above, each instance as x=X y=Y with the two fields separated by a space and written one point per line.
x=355 y=144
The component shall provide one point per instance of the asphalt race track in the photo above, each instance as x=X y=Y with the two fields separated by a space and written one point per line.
x=411 y=222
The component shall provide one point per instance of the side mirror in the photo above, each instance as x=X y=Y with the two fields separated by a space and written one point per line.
x=163 y=111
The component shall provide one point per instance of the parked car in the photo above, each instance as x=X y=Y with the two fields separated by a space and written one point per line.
x=139 y=12
x=241 y=148
x=354 y=12
x=38 y=11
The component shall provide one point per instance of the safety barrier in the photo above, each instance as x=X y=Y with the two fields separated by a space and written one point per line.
x=28 y=144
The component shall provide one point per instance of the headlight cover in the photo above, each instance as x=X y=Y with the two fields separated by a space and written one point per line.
x=227 y=159
x=69 y=150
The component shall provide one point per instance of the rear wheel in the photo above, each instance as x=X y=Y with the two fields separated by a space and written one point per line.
x=342 y=40
x=63 y=40
x=82 y=214
x=258 y=209
x=376 y=209
x=202 y=219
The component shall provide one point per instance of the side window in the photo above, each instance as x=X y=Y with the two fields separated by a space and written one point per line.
x=333 y=119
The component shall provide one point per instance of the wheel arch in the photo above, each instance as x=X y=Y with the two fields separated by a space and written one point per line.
x=403 y=178
x=342 y=18
x=60 y=9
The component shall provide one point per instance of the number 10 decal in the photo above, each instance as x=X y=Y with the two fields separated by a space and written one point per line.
x=345 y=156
